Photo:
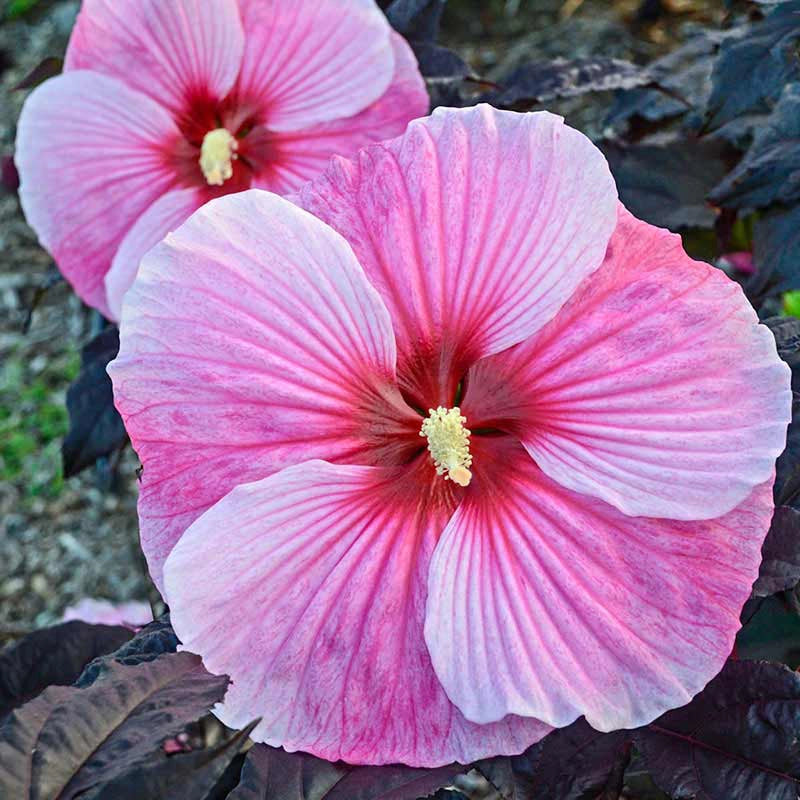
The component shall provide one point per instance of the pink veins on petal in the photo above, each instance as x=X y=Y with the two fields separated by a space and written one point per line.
x=467 y=454
x=164 y=106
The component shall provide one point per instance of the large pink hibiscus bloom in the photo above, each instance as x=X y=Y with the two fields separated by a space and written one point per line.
x=164 y=105
x=380 y=583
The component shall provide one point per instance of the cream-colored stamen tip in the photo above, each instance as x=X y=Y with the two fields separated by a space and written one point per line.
x=216 y=156
x=448 y=444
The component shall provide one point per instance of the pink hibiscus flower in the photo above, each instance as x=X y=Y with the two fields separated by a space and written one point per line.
x=165 y=105
x=481 y=455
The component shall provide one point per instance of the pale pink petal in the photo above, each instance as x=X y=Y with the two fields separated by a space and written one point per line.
x=250 y=340
x=175 y=52
x=548 y=603
x=166 y=214
x=475 y=226
x=308 y=589
x=312 y=61
x=655 y=389
x=133 y=614
x=90 y=154
x=292 y=158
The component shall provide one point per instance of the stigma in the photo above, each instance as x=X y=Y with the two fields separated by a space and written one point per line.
x=448 y=444
x=217 y=155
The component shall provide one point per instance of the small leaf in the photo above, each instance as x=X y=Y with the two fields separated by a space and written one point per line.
x=96 y=428
x=540 y=81
x=666 y=184
x=45 y=69
x=416 y=19
x=770 y=170
x=736 y=739
x=52 y=656
x=271 y=773
x=193 y=775
x=752 y=70
x=119 y=722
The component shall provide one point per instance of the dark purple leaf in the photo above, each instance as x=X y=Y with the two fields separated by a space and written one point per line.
x=436 y=61
x=780 y=555
x=776 y=250
x=271 y=773
x=18 y=737
x=572 y=763
x=685 y=74
x=416 y=19
x=752 y=69
x=47 y=68
x=667 y=184
x=540 y=81
x=153 y=640
x=770 y=170
x=739 y=738
x=9 y=177
x=192 y=776
x=95 y=427
x=99 y=733
x=52 y=656
x=786 y=490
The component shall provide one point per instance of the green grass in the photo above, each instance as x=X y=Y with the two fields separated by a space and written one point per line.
x=33 y=420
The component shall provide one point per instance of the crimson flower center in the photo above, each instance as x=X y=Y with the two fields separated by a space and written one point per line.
x=448 y=443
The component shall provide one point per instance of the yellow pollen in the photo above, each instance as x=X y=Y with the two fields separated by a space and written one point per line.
x=218 y=151
x=448 y=443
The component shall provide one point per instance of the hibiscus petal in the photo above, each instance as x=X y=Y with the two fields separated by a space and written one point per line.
x=475 y=226
x=548 y=603
x=90 y=154
x=166 y=214
x=311 y=61
x=174 y=51
x=323 y=568
x=285 y=161
x=250 y=340
x=655 y=389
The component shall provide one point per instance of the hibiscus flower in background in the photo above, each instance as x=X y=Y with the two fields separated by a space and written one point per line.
x=165 y=105
x=460 y=452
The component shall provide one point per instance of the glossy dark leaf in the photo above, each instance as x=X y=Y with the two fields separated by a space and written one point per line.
x=667 y=184
x=271 y=773
x=47 y=68
x=780 y=555
x=739 y=738
x=153 y=640
x=770 y=170
x=95 y=427
x=540 y=81
x=752 y=69
x=192 y=775
x=416 y=19
x=52 y=656
x=100 y=732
